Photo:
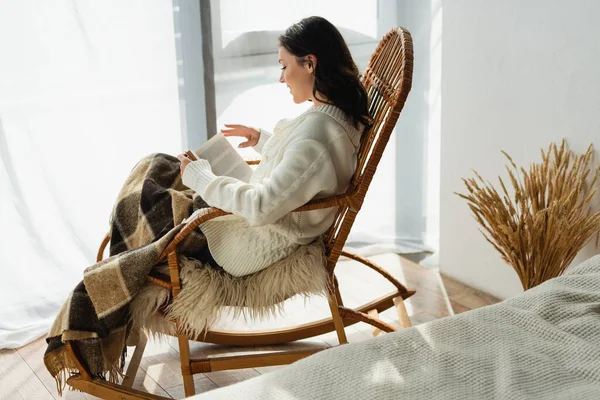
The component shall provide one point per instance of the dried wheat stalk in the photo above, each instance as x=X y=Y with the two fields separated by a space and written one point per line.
x=549 y=218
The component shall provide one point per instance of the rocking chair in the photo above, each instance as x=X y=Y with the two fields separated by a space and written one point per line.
x=387 y=80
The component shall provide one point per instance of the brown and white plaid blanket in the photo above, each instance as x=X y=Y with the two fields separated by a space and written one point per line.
x=148 y=213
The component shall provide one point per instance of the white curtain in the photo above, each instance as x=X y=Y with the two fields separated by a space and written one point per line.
x=87 y=88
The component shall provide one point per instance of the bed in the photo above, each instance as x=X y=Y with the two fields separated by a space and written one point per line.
x=541 y=344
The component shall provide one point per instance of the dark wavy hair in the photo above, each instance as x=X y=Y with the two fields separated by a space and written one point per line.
x=336 y=75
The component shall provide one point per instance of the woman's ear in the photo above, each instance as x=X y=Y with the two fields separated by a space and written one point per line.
x=311 y=61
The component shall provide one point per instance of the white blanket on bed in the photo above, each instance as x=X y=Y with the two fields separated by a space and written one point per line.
x=542 y=344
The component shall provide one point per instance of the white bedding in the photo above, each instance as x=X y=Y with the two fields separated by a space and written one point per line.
x=542 y=344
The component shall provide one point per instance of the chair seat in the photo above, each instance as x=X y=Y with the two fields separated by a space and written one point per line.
x=207 y=291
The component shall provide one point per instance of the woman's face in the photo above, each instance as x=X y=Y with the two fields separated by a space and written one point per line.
x=299 y=78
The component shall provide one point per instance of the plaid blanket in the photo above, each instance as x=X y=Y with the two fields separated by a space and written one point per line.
x=147 y=215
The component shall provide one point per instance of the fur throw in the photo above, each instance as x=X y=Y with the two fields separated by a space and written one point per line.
x=206 y=292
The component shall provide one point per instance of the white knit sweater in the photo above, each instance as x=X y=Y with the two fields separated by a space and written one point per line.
x=311 y=156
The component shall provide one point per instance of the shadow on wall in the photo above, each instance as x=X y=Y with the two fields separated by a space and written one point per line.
x=417 y=132
x=411 y=142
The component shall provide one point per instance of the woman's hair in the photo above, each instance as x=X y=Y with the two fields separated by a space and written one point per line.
x=336 y=75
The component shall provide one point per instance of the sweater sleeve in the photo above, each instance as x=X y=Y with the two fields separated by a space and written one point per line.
x=262 y=139
x=305 y=170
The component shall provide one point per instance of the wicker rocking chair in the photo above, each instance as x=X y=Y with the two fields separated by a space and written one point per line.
x=388 y=81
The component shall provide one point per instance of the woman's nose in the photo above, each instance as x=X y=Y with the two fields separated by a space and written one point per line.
x=281 y=79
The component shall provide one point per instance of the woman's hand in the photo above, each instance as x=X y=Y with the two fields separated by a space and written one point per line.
x=251 y=134
x=184 y=162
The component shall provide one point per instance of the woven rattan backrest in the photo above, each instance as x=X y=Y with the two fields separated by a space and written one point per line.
x=387 y=79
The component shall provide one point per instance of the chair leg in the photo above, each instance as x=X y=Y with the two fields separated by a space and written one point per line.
x=402 y=314
x=186 y=366
x=134 y=363
x=375 y=330
x=337 y=319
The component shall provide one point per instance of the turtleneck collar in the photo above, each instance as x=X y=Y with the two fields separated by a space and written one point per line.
x=342 y=118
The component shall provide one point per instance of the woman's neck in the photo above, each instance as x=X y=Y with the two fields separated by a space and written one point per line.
x=317 y=103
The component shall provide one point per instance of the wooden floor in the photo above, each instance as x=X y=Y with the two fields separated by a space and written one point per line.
x=23 y=375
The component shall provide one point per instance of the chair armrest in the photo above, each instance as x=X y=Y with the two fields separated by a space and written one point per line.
x=339 y=200
x=213 y=212
x=203 y=216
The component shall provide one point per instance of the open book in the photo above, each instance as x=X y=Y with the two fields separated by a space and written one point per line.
x=224 y=160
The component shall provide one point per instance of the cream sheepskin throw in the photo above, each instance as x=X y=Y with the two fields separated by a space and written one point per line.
x=206 y=292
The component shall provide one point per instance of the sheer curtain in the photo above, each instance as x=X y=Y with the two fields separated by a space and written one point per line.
x=87 y=88
x=244 y=40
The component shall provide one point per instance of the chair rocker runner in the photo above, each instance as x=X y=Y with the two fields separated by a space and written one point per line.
x=387 y=80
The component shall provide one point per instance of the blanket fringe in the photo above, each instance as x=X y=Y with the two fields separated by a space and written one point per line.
x=61 y=366
x=115 y=374
x=61 y=379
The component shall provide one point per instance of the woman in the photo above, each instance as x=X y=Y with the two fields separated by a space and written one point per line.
x=311 y=156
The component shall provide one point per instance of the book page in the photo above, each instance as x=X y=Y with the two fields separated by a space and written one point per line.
x=224 y=160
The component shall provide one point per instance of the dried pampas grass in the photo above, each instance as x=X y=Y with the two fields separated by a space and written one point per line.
x=549 y=218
